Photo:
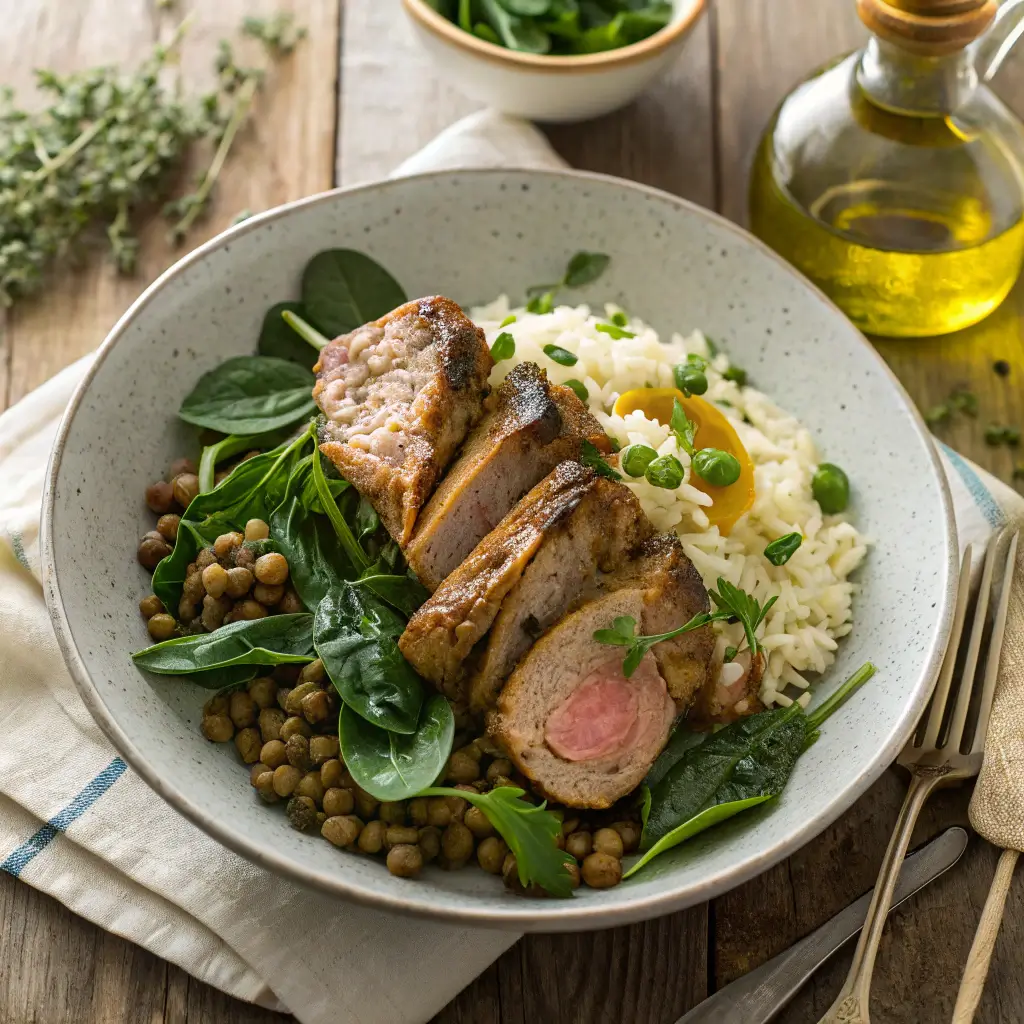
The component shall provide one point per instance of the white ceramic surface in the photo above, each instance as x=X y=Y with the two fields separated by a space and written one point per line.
x=544 y=88
x=471 y=235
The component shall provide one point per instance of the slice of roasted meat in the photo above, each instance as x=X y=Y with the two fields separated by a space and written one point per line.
x=531 y=427
x=547 y=551
x=399 y=395
x=569 y=719
x=731 y=691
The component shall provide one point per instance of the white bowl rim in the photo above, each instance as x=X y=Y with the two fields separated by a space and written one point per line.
x=556 y=915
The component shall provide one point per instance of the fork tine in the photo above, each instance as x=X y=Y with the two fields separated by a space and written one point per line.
x=937 y=707
x=968 y=679
x=995 y=648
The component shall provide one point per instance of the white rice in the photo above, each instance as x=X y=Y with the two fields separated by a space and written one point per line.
x=815 y=597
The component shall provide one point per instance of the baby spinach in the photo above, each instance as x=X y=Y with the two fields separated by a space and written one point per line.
x=233 y=444
x=250 y=394
x=280 y=341
x=351 y=547
x=403 y=593
x=680 y=742
x=275 y=640
x=738 y=767
x=356 y=636
x=393 y=766
x=225 y=679
x=583 y=268
x=304 y=330
x=516 y=33
x=343 y=289
x=530 y=831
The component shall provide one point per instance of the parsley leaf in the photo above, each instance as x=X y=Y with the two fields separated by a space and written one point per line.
x=683 y=427
x=592 y=458
x=734 y=603
x=504 y=347
x=531 y=833
x=615 y=332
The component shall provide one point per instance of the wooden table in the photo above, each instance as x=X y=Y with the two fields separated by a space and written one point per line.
x=693 y=134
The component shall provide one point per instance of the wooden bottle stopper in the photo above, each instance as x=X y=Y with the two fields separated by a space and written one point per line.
x=931 y=28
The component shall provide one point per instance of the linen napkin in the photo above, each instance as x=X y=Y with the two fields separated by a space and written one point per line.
x=90 y=833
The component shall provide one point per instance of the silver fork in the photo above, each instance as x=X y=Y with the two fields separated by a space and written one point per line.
x=933 y=754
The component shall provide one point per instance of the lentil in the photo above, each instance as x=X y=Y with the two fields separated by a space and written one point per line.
x=340 y=801
x=342 y=830
x=296 y=749
x=629 y=832
x=317 y=707
x=161 y=626
x=248 y=744
x=204 y=558
x=160 y=497
x=405 y=861
x=256 y=771
x=365 y=804
x=295 y=726
x=215 y=611
x=371 y=839
x=478 y=823
x=393 y=812
x=311 y=786
x=607 y=840
x=438 y=812
x=398 y=835
x=502 y=768
x=286 y=778
x=185 y=487
x=271 y=720
x=462 y=768
x=293 y=702
x=179 y=466
x=167 y=527
x=314 y=672
x=217 y=728
x=601 y=870
x=490 y=855
x=193 y=587
x=226 y=543
x=271 y=568
x=266 y=594
x=331 y=773
x=256 y=529
x=265 y=787
x=574 y=873
x=417 y=811
x=301 y=813
x=456 y=844
x=239 y=582
x=263 y=691
x=323 y=749
x=579 y=844
x=151 y=605
x=245 y=559
x=430 y=843
x=153 y=549
x=273 y=754
x=215 y=579
x=218 y=705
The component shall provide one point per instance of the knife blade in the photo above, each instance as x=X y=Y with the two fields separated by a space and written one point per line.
x=760 y=994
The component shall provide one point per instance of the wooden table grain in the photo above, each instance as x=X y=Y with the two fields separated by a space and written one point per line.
x=348 y=106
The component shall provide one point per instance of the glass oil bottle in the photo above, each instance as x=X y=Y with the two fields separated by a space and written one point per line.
x=894 y=178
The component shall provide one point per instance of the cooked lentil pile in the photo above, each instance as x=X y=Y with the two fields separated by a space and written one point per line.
x=228 y=581
x=284 y=726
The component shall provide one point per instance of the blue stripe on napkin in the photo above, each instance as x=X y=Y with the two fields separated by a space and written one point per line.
x=60 y=822
x=979 y=492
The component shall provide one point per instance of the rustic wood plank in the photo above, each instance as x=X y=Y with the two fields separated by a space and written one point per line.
x=283 y=154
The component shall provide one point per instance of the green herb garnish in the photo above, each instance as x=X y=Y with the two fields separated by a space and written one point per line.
x=560 y=355
x=593 y=459
x=736 y=374
x=782 y=549
x=682 y=427
x=504 y=347
x=582 y=269
x=578 y=388
x=614 y=331
x=510 y=319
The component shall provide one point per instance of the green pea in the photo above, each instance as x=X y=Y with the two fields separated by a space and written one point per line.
x=579 y=388
x=504 y=347
x=635 y=459
x=831 y=488
x=690 y=379
x=718 y=468
x=562 y=356
x=781 y=550
x=665 y=471
x=619 y=319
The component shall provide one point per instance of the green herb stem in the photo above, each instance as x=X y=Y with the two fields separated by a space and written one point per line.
x=828 y=707
x=305 y=330
x=355 y=553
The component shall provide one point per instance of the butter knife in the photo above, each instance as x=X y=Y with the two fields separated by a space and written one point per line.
x=760 y=994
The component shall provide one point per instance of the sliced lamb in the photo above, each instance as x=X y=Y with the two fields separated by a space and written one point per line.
x=731 y=691
x=569 y=719
x=531 y=428
x=538 y=561
x=399 y=396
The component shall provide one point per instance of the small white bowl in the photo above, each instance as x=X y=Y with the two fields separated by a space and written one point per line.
x=550 y=88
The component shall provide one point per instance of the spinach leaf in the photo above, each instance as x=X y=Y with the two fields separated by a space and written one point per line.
x=355 y=553
x=169 y=576
x=250 y=394
x=275 y=640
x=526 y=8
x=404 y=593
x=698 y=823
x=392 y=766
x=233 y=444
x=516 y=33
x=279 y=340
x=681 y=742
x=531 y=833
x=304 y=330
x=585 y=267
x=343 y=289
x=740 y=766
x=366 y=519
x=356 y=635
x=225 y=678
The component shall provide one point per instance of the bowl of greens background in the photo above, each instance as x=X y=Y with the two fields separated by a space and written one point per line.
x=559 y=65
x=675 y=265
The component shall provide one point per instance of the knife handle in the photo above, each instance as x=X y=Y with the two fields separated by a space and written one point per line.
x=759 y=995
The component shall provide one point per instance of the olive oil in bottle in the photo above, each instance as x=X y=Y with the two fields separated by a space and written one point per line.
x=894 y=181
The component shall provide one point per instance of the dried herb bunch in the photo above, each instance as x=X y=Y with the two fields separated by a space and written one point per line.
x=108 y=144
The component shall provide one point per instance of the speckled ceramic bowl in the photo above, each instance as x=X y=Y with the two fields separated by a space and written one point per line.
x=472 y=235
